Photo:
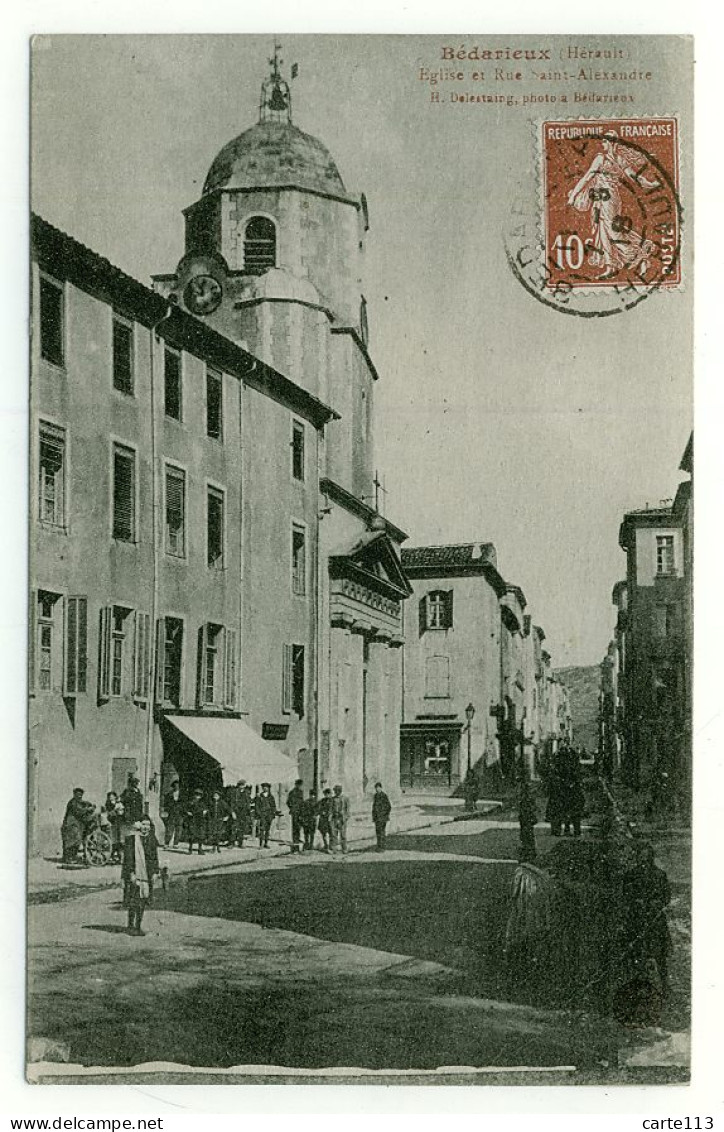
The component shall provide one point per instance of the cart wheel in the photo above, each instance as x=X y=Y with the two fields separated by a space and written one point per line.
x=98 y=848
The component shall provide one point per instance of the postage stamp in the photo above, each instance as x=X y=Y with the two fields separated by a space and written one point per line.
x=610 y=203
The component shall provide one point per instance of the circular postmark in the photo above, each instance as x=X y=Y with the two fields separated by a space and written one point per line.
x=600 y=231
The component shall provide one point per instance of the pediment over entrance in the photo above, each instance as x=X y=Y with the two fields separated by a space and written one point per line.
x=373 y=562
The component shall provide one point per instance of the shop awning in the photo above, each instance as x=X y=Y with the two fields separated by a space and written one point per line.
x=238 y=750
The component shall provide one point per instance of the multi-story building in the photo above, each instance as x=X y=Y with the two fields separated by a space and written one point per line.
x=476 y=686
x=209 y=576
x=652 y=675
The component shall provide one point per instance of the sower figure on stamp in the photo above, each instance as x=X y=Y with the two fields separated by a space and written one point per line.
x=295 y=805
x=381 y=810
x=266 y=811
x=140 y=865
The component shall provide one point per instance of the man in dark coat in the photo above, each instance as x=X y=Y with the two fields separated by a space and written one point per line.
x=324 y=811
x=573 y=797
x=132 y=799
x=243 y=806
x=174 y=815
x=646 y=896
x=218 y=820
x=295 y=805
x=140 y=865
x=381 y=810
x=340 y=818
x=309 y=819
x=266 y=811
x=196 y=814
x=75 y=823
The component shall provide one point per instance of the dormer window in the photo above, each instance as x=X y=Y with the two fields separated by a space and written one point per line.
x=260 y=245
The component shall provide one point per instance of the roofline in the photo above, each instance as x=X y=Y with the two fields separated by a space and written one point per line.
x=475 y=569
x=65 y=256
x=656 y=517
x=291 y=186
x=355 y=506
x=687 y=460
x=351 y=330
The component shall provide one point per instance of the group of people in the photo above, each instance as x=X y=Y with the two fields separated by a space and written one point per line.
x=225 y=816
x=566 y=800
x=118 y=814
x=329 y=816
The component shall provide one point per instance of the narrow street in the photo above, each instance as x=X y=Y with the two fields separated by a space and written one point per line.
x=380 y=961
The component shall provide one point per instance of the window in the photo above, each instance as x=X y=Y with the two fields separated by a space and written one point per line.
x=214 y=405
x=299 y=561
x=175 y=512
x=45 y=639
x=122 y=354
x=51 y=486
x=436 y=610
x=51 y=321
x=124 y=493
x=293 y=679
x=172 y=390
x=141 y=655
x=260 y=245
x=666 y=619
x=170 y=655
x=215 y=528
x=75 y=667
x=437 y=677
x=118 y=639
x=664 y=554
x=298 y=451
x=211 y=658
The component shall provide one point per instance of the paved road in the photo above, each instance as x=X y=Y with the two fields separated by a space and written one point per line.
x=390 y=960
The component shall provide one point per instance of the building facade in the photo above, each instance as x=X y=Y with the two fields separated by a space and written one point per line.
x=203 y=553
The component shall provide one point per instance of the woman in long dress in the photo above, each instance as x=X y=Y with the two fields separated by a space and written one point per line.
x=616 y=244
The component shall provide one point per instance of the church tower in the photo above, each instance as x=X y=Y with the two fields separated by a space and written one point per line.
x=274 y=257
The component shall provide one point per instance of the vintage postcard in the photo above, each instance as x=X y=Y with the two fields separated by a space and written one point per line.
x=360 y=593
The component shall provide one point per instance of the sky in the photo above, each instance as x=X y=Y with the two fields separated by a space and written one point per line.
x=498 y=419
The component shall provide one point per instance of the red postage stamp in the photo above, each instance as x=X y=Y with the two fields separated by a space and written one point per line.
x=612 y=214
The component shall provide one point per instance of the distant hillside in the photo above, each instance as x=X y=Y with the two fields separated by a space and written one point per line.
x=583 y=685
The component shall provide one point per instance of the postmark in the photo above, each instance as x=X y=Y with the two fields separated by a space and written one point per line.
x=604 y=232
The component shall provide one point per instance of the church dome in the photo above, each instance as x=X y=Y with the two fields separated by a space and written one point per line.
x=272 y=154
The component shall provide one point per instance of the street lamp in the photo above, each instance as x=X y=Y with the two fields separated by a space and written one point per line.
x=469 y=713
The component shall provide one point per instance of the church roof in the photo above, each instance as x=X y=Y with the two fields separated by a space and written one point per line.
x=275 y=154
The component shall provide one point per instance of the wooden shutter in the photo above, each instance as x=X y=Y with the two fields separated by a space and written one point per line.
x=448 y=609
x=32 y=633
x=286 y=678
x=123 y=495
x=230 y=668
x=141 y=656
x=175 y=506
x=201 y=665
x=160 y=651
x=104 y=652
x=75 y=660
x=422 y=614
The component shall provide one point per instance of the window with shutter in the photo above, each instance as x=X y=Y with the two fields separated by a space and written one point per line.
x=260 y=245
x=448 y=614
x=298 y=680
x=104 y=652
x=230 y=669
x=141 y=656
x=172 y=631
x=31 y=641
x=286 y=678
x=215 y=528
x=298 y=451
x=122 y=355
x=299 y=561
x=76 y=646
x=52 y=329
x=172 y=383
x=214 y=405
x=437 y=677
x=51 y=486
x=176 y=512
x=124 y=494
x=45 y=650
